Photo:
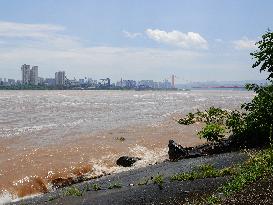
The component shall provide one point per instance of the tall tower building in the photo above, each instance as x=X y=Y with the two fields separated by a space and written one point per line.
x=25 y=74
x=173 y=78
x=60 y=78
x=34 y=75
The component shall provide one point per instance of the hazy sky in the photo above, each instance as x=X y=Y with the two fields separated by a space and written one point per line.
x=196 y=40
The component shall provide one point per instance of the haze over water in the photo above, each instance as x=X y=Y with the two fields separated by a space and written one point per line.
x=49 y=134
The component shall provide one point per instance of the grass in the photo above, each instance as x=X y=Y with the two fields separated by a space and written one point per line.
x=204 y=171
x=213 y=199
x=96 y=187
x=143 y=182
x=259 y=166
x=115 y=185
x=52 y=198
x=73 y=191
x=158 y=179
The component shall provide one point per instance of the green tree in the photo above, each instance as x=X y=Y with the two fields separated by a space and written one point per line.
x=264 y=54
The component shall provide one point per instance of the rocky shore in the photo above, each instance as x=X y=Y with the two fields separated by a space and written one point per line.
x=140 y=186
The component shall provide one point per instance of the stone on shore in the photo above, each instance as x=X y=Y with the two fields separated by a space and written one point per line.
x=176 y=151
x=126 y=161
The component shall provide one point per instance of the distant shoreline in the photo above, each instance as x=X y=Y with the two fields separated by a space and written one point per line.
x=127 y=89
x=81 y=88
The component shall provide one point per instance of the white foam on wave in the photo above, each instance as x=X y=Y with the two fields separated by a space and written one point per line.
x=148 y=157
x=6 y=197
x=99 y=167
x=36 y=128
x=27 y=129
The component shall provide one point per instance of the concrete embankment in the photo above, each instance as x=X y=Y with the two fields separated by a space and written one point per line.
x=137 y=186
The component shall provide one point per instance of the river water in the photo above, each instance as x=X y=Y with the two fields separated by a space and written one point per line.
x=45 y=135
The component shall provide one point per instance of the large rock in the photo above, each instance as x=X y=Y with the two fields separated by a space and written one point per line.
x=126 y=161
x=176 y=151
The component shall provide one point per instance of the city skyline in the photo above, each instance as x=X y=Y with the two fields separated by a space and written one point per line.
x=29 y=76
x=31 y=79
x=196 y=40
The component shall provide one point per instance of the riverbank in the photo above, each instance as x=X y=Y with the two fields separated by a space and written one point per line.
x=57 y=134
x=142 y=186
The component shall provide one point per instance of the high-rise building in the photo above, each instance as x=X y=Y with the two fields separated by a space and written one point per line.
x=34 y=75
x=60 y=78
x=25 y=74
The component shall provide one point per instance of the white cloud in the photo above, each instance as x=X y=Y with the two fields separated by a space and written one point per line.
x=244 y=43
x=112 y=61
x=51 y=48
x=41 y=35
x=128 y=34
x=11 y=29
x=177 y=38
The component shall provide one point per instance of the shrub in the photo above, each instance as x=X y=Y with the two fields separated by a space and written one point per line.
x=259 y=118
x=189 y=119
x=236 y=122
x=212 y=132
x=214 y=115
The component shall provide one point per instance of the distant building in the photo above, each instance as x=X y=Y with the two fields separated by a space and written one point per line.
x=11 y=82
x=167 y=84
x=34 y=80
x=49 y=81
x=29 y=76
x=91 y=82
x=173 y=78
x=25 y=74
x=129 y=83
x=146 y=83
x=81 y=81
x=105 y=83
x=40 y=81
x=60 y=78
x=74 y=83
